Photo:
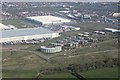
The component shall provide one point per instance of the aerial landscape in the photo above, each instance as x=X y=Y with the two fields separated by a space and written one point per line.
x=60 y=40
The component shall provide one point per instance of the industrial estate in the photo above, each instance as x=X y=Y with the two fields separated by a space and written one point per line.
x=49 y=37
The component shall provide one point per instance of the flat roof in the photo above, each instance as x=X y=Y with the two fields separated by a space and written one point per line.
x=24 y=32
x=113 y=30
x=48 y=19
x=2 y=26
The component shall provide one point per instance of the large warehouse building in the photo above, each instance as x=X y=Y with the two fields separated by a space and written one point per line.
x=6 y=27
x=3 y=27
x=45 y=20
x=112 y=30
x=26 y=34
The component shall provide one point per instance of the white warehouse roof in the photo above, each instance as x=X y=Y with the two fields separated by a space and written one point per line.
x=116 y=15
x=112 y=30
x=3 y=27
x=48 y=19
x=24 y=32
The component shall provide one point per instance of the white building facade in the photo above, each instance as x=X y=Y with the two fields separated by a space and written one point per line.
x=51 y=50
x=26 y=34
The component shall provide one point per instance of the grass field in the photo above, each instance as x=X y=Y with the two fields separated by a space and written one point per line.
x=18 y=64
x=19 y=23
x=23 y=61
x=91 y=26
x=98 y=73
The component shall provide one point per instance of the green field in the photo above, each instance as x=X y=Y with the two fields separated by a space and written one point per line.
x=20 y=63
x=90 y=26
x=98 y=73
x=19 y=23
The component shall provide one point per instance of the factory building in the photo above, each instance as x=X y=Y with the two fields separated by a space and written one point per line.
x=73 y=45
x=50 y=49
x=116 y=15
x=112 y=30
x=6 y=27
x=47 y=20
x=99 y=32
x=26 y=34
x=3 y=27
x=70 y=27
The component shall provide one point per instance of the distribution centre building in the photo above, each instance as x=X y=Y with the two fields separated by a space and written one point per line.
x=112 y=30
x=26 y=34
x=46 y=20
x=3 y=27
x=6 y=27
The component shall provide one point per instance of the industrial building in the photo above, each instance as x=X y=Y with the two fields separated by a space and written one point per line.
x=8 y=27
x=26 y=34
x=112 y=30
x=117 y=15
x=73 y=44
x=51 y=49
x=46 y=20
x=70 y=27
x=99 y=32
x=3 y=27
